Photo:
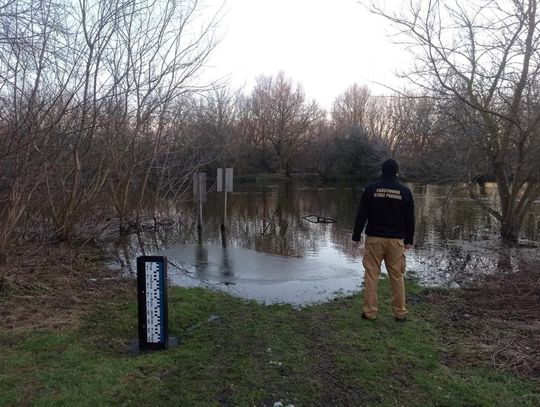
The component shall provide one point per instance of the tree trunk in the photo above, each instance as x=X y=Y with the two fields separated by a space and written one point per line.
x=509 y=232
x=3 y=252
x=514 y=213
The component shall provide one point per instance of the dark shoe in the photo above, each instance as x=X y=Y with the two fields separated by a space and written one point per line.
x=402 y=319
x=368 y=319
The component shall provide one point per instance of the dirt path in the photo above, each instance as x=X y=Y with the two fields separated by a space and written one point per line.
x=337 y=388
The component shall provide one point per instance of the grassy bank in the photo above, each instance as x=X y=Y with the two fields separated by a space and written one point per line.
x=254 y=355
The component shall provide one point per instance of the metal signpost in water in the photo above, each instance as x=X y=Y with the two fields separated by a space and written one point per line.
x=199 y=193
x=224 y=184
x=152 y=301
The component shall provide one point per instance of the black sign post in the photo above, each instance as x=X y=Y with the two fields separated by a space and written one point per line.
x=152 y=301
x=200 y=194
x=224 y=184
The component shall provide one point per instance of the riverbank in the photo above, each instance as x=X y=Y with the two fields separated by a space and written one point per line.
x=322 y=355
x=494 y=322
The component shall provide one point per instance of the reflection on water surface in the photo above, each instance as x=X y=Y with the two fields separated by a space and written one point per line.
x=274 y=255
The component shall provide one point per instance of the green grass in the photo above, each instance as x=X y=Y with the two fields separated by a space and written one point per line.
x=255 y=355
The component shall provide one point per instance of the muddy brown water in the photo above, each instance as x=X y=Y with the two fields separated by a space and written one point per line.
x=273 y=254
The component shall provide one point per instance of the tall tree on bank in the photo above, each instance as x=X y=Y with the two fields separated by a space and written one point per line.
x=350 y=108
x=486 y=56
x=359 y=139
x=284 y=117
x=89 y=93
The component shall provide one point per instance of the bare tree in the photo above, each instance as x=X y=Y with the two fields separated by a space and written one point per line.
x=322 y=149
x=88 y=96
x=149 y=74
x=485 y=55
x=282 y=117
x=216 y=119
x=358 y=121
x=350 y=108
x=30 y=105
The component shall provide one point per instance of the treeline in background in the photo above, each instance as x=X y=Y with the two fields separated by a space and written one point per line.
x=102 y=116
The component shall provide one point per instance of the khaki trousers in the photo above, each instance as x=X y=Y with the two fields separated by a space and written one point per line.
x=392 y=251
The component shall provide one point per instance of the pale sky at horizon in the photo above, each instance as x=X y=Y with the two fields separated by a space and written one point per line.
x=325 y=45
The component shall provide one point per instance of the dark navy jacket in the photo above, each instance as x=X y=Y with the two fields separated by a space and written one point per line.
x=388 y=208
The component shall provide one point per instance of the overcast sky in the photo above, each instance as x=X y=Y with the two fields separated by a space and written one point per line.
x=326 y=45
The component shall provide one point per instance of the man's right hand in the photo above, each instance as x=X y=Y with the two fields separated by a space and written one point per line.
x=409 y=246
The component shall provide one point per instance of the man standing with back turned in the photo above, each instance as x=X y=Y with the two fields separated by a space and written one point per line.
x=388 y=207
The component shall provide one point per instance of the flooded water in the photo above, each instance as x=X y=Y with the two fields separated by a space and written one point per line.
x=273 y=254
